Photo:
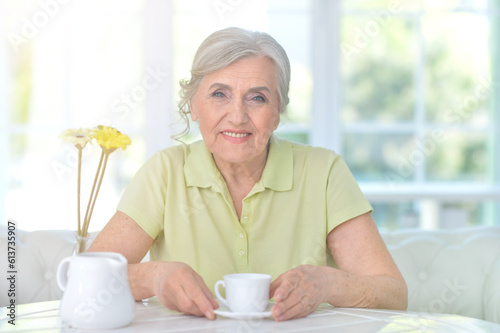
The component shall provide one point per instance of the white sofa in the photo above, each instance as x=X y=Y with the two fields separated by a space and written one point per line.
x=37 y=257
x=447 y=271
x=450 y=271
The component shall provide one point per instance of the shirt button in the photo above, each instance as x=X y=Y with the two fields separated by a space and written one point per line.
x=241 y=252
x=245 y=219
x=242 y=235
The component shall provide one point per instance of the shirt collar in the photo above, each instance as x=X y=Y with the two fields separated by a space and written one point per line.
x=200 y=169
x=278 y=172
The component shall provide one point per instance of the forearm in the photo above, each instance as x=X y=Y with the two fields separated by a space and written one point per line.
x=141 y=279
x=381 y=291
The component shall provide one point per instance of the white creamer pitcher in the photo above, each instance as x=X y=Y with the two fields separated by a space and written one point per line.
x=96 y=291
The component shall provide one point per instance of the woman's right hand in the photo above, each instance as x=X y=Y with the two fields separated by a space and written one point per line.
x=176 y=284
x=181 y=289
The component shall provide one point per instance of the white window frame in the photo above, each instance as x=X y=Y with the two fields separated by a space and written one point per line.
x=327 y=129
x=158 y=52
x=158 y=102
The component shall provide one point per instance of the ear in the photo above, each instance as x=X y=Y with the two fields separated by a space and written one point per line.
x=193 y=111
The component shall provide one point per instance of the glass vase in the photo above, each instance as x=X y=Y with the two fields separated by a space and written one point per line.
x=82 y=244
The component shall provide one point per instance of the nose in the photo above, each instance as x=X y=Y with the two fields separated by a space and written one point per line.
x=238 y=113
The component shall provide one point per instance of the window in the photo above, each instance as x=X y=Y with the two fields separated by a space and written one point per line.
x=68 y=65
x=419 y=109
x=406 y=91
x=289 y=22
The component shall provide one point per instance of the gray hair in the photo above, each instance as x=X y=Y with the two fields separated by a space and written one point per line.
x=224 y=47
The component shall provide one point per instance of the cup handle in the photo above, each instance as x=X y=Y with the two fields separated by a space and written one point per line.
x=217 y=292
x=62 y=273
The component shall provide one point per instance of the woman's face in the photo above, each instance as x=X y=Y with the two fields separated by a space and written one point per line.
x=237 y=109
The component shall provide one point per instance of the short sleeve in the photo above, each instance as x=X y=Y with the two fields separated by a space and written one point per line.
x=144 y=198
x=344 y=197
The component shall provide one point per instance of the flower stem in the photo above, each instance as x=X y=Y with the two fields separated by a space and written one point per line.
x=86 y=225
x=86 y=221
x=79 y=188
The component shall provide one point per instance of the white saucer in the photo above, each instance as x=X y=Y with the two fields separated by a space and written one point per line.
x=224 y=311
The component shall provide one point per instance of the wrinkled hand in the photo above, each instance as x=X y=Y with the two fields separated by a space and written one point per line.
x=181 y=289
x=299 y=291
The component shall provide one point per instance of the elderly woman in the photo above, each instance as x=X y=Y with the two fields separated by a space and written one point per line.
x=244 y=200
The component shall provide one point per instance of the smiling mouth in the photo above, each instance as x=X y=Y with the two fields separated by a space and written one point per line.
x=236 y=135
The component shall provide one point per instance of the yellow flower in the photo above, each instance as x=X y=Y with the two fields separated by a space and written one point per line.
x=110 y=138
x=79 y=137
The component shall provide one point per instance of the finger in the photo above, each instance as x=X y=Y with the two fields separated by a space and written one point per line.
x=209 y=312
x=284 y=305
x=170 y=305
x=186 y=305
x=215 y=305
x=208 y=293
x=298 y=310
x=288 y=285
x=275 y=284
x=291 y=297
x=201 y=299
x=168 y=299
x=183 y=295
x=210 y=297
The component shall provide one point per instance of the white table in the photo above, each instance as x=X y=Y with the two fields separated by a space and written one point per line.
x=153 y=317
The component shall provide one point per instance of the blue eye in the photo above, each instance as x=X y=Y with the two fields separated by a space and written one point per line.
x=259 y=99
x=218 y=94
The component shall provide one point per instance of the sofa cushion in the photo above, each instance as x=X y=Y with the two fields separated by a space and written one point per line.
x=449 y=271
x=491 y=300
x=38 y=254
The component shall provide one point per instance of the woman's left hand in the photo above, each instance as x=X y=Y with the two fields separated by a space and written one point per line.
x=299 y=291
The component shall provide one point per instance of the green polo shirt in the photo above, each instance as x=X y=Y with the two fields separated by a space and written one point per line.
x=181 y=200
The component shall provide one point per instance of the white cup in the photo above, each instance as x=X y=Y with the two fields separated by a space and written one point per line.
x=245 y=292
